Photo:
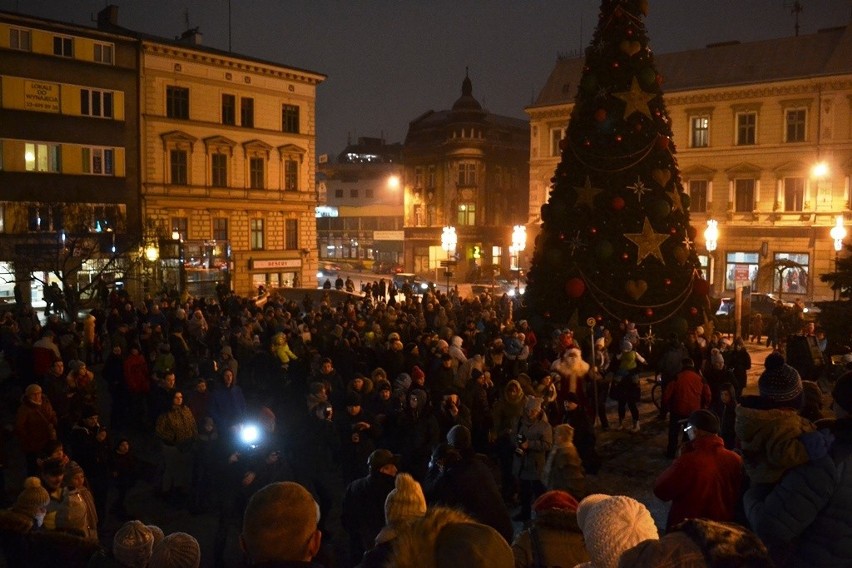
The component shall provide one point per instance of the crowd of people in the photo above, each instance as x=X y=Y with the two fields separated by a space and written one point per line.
x=423 y=425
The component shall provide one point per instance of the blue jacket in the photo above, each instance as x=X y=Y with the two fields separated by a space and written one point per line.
x=805 y=518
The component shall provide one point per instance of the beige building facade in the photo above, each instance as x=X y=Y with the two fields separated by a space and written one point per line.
x=228 y=165
x=763 y=133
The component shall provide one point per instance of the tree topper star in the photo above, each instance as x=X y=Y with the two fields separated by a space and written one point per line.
x=648 y=242
x=635 y=100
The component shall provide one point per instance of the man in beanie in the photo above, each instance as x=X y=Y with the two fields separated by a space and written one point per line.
x=773 y=436
x=804 y=520
x=611 y=525
x=705 y=481
x=280 y=527
x=363 y=510
x=554 y=526
x=178 y=550
x=466 y=483
x=404 y=504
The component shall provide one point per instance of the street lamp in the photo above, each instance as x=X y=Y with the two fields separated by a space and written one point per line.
x=449 y=240
x=838 y=233
x=519 y=243
x=711 y=237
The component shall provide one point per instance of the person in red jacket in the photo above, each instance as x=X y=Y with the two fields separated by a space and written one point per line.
x=705 y=481
x=684 y=395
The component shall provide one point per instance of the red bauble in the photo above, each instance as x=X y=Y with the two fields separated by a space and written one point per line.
x=575 y=287
x=625 y=256
x=617 y=203
x=673 y=231
x=667 y=281
x=593 y=230
x=587 y=143
x=663 y=142
x=600 y=115
x=615 y=65
x=693 y=311
x=629 y=32
x=599 y=317
x=637 y=127
x=561 y=236
x=618 y=138
x=701 y=288
x=649 y=312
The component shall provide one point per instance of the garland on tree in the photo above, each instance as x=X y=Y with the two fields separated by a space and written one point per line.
x=615 y=239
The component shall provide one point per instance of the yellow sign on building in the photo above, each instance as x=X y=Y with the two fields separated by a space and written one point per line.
x=41 y=96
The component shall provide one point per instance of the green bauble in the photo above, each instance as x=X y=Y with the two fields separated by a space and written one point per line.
x=589 y=83
x=603 y=249
x=658 y=209
x=648 y=77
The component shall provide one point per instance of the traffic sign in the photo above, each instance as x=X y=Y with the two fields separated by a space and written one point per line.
x=446 y=263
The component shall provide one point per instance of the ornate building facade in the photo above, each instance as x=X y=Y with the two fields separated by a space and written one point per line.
x=764 y=145
x=465 y=168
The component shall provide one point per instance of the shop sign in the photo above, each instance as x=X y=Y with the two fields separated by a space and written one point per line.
x=389 y=236
x=41 y=96
x=269 y=264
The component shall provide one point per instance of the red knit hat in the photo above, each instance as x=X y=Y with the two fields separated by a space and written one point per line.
x=417 y=373
x=559 y=500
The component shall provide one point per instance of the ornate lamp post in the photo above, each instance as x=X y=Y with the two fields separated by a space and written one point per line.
x=838 y=233
x=519 y=243
x=449 y=240
x=711 y=238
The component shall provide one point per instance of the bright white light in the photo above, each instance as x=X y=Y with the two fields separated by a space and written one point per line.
x=820 y=170
x=393 y=182
x=250 y=434
x=838 y=233
x=711 y=235
x=519 y=238
x=449 y=239
x=152 y=253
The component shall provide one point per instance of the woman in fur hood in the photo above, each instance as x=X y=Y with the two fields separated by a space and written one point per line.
x=444 y=538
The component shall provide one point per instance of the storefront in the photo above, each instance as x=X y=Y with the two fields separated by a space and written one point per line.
x=275 y=273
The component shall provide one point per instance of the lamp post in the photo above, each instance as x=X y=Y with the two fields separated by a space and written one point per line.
x=152 y=255
x=449 y=240
x=711 y=237
x=838 y=233
x=519 y=243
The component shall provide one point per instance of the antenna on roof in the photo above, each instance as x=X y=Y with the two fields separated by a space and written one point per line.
x=796 y=8
x=186 y=18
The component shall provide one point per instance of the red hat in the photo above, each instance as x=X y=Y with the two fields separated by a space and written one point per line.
x=417 y=373
x=558 y=500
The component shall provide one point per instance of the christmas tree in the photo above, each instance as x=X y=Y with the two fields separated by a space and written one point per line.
x=615 y=241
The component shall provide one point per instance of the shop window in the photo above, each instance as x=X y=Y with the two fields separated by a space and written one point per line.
x=741 y=269
x=791 y=273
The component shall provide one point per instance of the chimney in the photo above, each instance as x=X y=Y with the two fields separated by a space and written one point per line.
x=108 y=17
x=192 y=36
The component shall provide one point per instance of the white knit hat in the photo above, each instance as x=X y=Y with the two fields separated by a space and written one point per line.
x=406 y=501
x=612 y=525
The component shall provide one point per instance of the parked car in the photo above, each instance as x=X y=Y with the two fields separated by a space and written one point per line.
x=496 y=287
x=418 y=285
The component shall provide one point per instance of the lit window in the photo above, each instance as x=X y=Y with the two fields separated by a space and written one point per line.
x=741 y=269
x=700 y=126
x=41 y=157
x=257 y=234
x=181 y=225
x=793 y=278
x=467 y=214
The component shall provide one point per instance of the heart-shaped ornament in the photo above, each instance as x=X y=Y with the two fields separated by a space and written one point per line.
x=636 y=288
x=631 y=48
x=661 y=176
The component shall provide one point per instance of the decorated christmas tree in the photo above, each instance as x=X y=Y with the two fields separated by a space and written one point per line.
x=615 y=241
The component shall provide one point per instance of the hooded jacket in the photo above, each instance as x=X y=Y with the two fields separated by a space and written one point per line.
x=560 y=538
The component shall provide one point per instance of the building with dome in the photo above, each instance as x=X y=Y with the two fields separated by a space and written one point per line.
x=468 y=169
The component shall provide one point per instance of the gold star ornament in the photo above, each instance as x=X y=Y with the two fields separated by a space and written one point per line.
x=648 y=242
x=586 y=194
x=677 y=204
x=635 y=100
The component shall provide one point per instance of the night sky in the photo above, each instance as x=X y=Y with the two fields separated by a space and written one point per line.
x=389 y=61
